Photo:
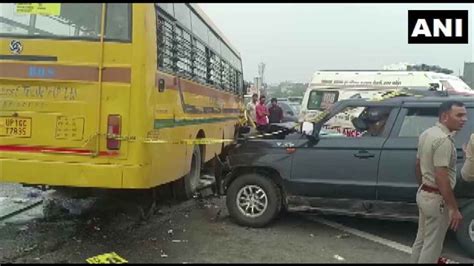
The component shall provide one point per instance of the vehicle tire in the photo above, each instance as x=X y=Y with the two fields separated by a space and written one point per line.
x=248 y=192
x=465 y=232
x=185 y=187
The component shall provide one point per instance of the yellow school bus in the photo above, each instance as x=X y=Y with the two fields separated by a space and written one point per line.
x=99 y=95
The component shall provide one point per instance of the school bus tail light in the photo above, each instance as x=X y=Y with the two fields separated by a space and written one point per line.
x=114 y=125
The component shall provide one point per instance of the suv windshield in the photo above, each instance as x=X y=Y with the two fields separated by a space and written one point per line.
x=64 y=21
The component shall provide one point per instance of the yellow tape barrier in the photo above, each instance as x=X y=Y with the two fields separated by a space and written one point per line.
x=107 y=258
x=245 y=120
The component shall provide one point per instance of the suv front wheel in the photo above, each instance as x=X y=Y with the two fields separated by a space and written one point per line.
x=253 y=200
x=465 y=232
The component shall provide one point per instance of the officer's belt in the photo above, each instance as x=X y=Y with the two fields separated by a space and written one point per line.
x=430 y=189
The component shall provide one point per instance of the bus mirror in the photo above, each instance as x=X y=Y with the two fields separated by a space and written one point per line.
x=245 y=88
x=161 y=85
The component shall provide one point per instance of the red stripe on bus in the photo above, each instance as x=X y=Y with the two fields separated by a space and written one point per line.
x=116 y=74
x=190 y=87
x=43 y=149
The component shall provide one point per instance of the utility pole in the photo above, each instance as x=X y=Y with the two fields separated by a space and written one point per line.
x=261 y=71
x=257 y=85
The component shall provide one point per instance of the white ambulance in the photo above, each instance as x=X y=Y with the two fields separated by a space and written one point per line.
x=328 y=87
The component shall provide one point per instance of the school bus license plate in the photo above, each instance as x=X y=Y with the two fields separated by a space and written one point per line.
x=15 y=127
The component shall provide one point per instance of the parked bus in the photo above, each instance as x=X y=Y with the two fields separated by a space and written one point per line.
x=89 y=93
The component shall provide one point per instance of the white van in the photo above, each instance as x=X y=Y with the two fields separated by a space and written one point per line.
x=328 y=87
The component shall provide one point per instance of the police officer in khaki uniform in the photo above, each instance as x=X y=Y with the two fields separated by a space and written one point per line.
x=436 y=174
x=467 y=170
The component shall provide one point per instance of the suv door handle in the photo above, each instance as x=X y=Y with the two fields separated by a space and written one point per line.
x=364 y=155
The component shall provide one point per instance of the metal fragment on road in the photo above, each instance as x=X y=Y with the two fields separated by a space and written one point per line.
x=34 y=194
x=20 y=200
x=27 y=249
x=342 y=236
x=179 y=241
x=23 y=228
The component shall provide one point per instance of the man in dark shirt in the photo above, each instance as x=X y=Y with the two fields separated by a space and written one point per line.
x=276 y=113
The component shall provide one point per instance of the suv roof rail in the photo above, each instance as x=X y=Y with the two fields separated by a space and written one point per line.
x=431 y=93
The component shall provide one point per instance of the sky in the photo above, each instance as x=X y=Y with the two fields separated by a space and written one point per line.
x=295 y=40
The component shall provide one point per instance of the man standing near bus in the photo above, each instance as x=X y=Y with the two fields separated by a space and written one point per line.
x=251 y=108
x=262 y=115
x=276 y=113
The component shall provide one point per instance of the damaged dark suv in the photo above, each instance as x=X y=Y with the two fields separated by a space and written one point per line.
x=359 y=160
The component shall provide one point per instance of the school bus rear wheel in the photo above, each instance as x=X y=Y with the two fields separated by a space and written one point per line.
x=185 y=187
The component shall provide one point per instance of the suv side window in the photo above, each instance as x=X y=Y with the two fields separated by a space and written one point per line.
x=358 y=122
x=418 y=120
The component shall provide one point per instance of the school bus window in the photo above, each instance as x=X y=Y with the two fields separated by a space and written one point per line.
x=199 y=28
x=167 y=7
x=73 y=21
x=215 y=69
x=200 y=63
x=225 y=78
x=233 y=84
x=183 y=41
x=236 y=82
x=165 y=44
x=214 y=42
x=228 y=84
x=69 y=21
x=225 y=52
x=195 y=52
x=183 y=15
x=117 y=24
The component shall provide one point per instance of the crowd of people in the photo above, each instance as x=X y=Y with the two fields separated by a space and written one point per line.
x=262 y=116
